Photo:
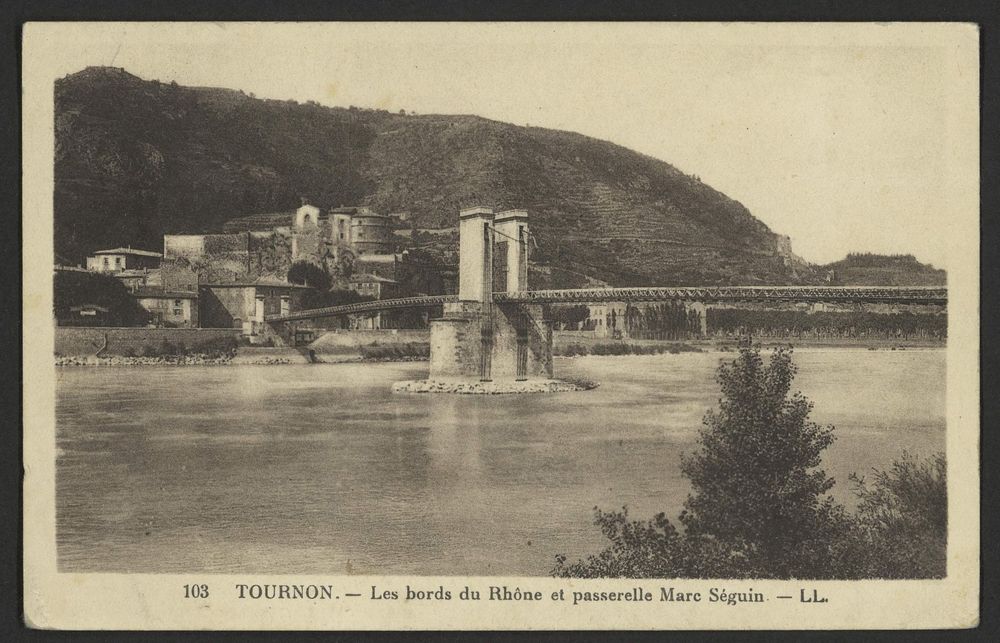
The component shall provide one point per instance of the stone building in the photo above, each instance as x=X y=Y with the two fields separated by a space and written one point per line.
x=266 y=245
x=118 y=259
x=215 y=255
x=376 y=287
x=312 y=234
x=135 y=278
x=371 y=233
x=245 y=304
x=170 y=308
x=318 y=234
x=384 y=265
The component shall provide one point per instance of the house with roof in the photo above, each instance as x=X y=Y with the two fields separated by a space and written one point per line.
x=135 y=278
x=168 y=308
x=117 y=259
x=244 y=304
x=376 y=287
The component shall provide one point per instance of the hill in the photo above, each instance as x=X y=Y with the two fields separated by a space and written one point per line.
x=867 y=269
x=135 y=159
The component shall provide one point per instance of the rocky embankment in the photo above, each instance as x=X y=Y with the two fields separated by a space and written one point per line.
x=255 y=359
x=120 y=360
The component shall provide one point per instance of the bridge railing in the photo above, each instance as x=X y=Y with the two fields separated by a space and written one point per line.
x=706 y=294
x=887 y=294
x=365 y=307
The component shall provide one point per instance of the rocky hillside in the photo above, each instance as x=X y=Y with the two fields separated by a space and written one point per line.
x=137 y=158
x=866 y=269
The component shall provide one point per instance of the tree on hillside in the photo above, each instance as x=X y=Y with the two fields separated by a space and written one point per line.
x=342 y=267
x=309 y=274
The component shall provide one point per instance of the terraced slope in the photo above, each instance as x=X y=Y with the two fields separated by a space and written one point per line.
x=136 y=159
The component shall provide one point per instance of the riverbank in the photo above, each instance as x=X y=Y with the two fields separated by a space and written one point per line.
x=287 y=356
x=227 y=360
x=562 y=340
x=162 y=360
x=827 y=342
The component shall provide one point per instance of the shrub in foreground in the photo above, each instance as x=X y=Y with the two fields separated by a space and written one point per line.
x=758 y=506
x=902 y=518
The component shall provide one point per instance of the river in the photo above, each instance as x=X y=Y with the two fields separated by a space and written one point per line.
x=321 y=469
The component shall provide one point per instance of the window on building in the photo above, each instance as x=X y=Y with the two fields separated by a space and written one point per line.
x=106 y=264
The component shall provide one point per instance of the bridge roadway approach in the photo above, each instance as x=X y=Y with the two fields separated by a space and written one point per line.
x=703 y=294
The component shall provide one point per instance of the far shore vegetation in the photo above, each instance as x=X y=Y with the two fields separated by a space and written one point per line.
x=622 y=348
x=390 y=352
x=759 y=508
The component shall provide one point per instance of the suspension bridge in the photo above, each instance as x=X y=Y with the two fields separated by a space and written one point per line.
x=485 y=332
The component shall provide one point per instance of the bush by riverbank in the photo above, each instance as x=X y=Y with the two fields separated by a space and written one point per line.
x=409 y=351
x=622 y=348
x=857 y=325
x=215 y=347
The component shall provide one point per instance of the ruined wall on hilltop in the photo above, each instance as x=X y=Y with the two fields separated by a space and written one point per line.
x=221 y=258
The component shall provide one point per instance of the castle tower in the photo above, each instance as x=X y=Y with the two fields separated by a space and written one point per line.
x=340 y=228
x=371 y=233
x=306 y=215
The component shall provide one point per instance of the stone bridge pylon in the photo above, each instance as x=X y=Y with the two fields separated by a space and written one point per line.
x=478 y=339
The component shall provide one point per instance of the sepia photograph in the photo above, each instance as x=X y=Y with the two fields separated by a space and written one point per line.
x=529 y=301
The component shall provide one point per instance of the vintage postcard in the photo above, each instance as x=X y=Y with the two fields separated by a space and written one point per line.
x=501 y=326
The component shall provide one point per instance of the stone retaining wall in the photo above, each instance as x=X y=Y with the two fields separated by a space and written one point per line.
x=88 y=341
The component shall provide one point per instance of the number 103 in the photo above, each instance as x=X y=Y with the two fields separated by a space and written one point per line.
x=196 y=591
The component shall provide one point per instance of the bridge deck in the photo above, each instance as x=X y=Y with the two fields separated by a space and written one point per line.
x=706 y=294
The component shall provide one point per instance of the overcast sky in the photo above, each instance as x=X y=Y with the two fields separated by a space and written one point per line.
x=830 y=136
